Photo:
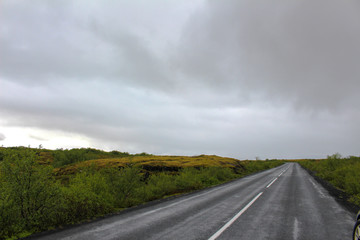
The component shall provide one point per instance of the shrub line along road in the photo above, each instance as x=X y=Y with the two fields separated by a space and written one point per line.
x=280 y=203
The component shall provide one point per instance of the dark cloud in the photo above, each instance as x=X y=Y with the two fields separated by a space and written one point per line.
x=305 y=52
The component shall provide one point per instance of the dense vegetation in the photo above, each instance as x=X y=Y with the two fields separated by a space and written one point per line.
x=343 y=173
x=35 y=196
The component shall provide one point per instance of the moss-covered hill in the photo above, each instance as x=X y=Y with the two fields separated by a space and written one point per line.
x=153 y=163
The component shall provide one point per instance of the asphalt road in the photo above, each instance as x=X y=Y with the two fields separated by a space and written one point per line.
x=280 y=203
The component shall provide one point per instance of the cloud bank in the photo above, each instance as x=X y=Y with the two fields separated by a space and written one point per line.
x=233 y=78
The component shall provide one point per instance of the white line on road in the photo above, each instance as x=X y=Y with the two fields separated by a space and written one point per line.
x=271 y=183
x=322 y=195
x=283 y=171
x=296 y=229
x=228 y=224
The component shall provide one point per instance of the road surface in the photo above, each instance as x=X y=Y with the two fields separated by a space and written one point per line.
x=280 y=203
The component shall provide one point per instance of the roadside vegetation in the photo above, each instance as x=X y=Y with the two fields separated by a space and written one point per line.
x=42 y=189
x=342 y=173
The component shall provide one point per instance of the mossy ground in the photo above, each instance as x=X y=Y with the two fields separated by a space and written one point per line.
x=154 y=163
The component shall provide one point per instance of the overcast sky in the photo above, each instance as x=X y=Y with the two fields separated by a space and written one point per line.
x=237 y=78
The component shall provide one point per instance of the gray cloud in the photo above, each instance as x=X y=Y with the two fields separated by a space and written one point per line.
x=240 y=78
x=2 y=137
x=56 y=42
x=303 y=52
x=38 y=138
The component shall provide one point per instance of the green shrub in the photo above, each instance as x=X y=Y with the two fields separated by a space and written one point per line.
x=29 y=198
x=124 y=184
x=86 y=196
x=160 y=185
x=343 y=173
x=188 y=179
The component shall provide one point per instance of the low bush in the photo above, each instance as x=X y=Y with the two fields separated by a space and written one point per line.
x=159 y=185
x=30 y=197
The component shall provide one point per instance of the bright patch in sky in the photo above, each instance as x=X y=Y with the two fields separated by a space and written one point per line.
x=33 y=137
